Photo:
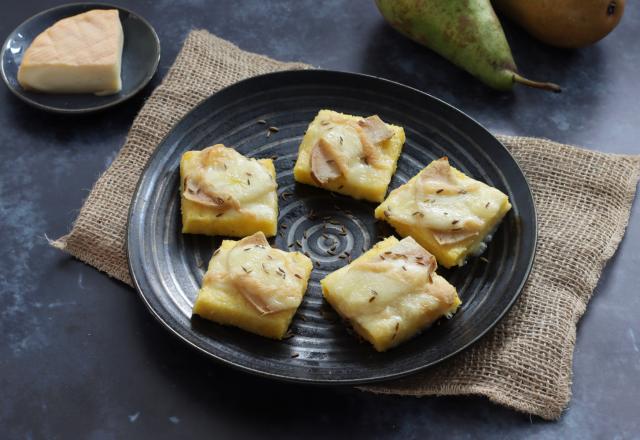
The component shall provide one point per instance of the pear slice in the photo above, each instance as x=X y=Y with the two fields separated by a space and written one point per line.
x=375 y=129
x=324 y=162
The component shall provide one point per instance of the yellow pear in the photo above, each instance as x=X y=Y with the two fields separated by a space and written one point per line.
x=564 y=23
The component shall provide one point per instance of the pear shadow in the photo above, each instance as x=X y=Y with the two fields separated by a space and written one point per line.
x=523 y=111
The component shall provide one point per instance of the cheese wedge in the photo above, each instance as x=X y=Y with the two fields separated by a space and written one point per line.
x=78 y=54
x=390 y=293
x=448 y=213
x=253 y=286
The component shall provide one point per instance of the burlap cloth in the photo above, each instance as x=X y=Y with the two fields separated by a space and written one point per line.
x=583 y=200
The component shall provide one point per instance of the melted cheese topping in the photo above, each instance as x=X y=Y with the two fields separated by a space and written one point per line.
x=269 y=279
x=223 y=179
x=350 y=147
x=445 y=201
x=389 y=287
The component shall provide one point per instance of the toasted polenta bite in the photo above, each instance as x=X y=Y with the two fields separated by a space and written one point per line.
x=445 y=211
x=350 y=155
x=226 y=193
x=390 y=293
x=253 y=286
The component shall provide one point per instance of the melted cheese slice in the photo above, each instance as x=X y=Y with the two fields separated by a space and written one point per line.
x=374 y=284
x=451 y=205
x=78 y=54
x=349 y=148
x=222 y=178
x=391 y=293
x=266 y=277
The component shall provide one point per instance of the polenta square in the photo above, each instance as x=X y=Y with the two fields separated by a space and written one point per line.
x=447 y=212
x=253 y=286
x=391 y=292
x=350 y=155
x=226 y=193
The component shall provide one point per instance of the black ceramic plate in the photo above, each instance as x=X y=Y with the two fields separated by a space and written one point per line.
x=167 y=266
x=140 y=57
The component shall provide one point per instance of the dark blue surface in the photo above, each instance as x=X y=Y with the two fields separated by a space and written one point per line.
x=140 y=57
x=80 y=356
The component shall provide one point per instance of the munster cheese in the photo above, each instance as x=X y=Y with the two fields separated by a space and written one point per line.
x=78 y=54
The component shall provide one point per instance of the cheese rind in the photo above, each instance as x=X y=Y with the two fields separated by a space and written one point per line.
x=349 y=154
x=78 y=54
x=390 y=293
x=447 y=212
x=238 y=290
x=226 y=193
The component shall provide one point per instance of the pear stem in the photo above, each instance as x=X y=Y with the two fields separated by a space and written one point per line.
x=537 y=85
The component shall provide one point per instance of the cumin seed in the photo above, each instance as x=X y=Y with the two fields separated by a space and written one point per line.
x=297 y=276
x=220 y=214
x=440 y=190
x=261 y=121
x=274 y=129
x=295 y=355
x=455 y=222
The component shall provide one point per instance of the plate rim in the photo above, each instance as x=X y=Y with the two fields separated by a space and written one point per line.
x=311 y=380
x=62 y=110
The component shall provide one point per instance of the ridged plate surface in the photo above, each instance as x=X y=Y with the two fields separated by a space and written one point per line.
x=168 y=266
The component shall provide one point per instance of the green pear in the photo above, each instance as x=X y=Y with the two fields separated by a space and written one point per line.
x=466 y=32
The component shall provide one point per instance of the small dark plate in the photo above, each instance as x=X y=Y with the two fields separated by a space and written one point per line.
x=140 y=57
x=167 y=266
